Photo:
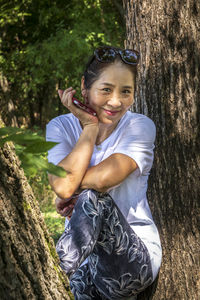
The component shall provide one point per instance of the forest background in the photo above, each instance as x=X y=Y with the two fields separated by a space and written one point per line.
x=44 y=46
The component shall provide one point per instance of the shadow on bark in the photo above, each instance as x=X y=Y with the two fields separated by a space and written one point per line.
x=149 y=291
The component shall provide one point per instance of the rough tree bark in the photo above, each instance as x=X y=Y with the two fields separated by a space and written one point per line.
x=28 y=261
x=167 y=34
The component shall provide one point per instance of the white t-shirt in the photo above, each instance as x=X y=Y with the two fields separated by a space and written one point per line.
x=133 y=136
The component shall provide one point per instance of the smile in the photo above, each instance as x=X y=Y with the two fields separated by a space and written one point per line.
x=111 y=112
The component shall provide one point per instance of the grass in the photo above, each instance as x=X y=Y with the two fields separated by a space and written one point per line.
x=46 y=198
x=55 y=223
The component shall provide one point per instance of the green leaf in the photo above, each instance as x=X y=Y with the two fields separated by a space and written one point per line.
x=32 y=163
x=56 y=170
x=21 y=138
x=39 y=147
x=9 y=131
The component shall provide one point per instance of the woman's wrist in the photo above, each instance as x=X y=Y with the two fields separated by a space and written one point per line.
x=92 y=130
x=91 y=125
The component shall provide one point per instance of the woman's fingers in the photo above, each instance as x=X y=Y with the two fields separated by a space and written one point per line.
x=64 y=207
x=60 y=204
x=84 y=117
x=67 y=211
x=62 y=93
x=66 y=98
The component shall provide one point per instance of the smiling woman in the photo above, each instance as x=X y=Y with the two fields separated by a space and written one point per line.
x=109 y=95
x=108 y=158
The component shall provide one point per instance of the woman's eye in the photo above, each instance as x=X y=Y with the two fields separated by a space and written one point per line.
x=126 y=91
x=106 y=89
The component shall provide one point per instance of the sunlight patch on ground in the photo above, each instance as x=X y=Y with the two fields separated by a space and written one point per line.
x=55 y=224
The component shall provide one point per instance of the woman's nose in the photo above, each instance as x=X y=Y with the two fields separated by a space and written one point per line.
x=114 y=101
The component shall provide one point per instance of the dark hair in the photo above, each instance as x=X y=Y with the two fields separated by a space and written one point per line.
x=94 y=68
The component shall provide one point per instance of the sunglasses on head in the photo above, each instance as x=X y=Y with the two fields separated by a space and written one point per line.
x=108 y=54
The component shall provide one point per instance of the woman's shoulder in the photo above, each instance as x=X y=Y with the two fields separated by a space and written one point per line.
x=64 y=125
x=63 y=120
x=136 y=118
x=140 y=126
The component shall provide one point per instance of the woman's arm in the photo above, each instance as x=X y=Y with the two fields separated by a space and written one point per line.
x=76 y=163
x=108 y=173
x=135 y=150
x=101 y=177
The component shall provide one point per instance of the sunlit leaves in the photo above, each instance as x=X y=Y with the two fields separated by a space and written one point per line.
x=45 y=45
x=40 y=147
x=6 y=131
x=33 y=163
x=31 y=149
x=72 y=30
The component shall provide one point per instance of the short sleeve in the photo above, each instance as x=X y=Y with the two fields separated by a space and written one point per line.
x=137 y=142
x=55 y=132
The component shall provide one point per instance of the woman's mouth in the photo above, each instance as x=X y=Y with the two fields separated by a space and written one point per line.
x=111 y=112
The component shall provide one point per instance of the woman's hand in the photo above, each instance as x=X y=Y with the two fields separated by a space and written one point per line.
x=65 y=207
x=84 y=117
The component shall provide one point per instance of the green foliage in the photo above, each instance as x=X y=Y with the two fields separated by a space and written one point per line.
x=46 y=197
x=19 y=136
x=54 y=222
x=45 y=45
x=31 y=149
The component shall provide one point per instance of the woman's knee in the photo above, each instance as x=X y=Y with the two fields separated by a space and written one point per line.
x=95 y=203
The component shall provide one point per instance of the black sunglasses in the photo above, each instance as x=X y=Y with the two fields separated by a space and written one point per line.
x=108 y=54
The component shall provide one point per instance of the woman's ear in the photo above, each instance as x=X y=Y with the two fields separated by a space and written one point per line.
x=82 y=83
x=84 y=90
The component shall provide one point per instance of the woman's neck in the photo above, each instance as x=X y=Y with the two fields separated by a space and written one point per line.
x=105 y=131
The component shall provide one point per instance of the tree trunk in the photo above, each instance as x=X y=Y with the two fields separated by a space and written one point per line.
x=167 y=35
x=6 y=103
x=11 y=114
x=28 y=261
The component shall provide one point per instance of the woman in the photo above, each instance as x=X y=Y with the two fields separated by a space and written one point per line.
x=108 y=158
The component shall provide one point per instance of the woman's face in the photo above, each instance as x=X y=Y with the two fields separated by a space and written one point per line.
x=112 y=94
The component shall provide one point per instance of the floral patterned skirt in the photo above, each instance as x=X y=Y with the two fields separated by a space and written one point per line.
x=118 y=264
